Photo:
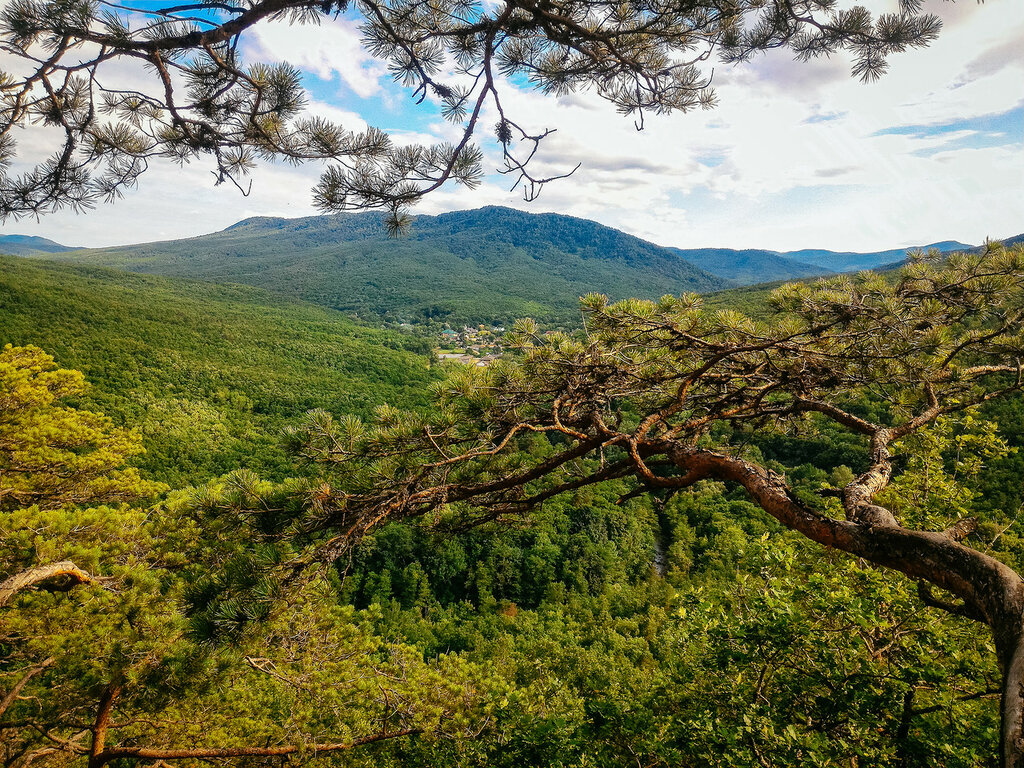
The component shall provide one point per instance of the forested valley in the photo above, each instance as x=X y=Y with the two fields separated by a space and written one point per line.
x=176 y=605
x=501 y=489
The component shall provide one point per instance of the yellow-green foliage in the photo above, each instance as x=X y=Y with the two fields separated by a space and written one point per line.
x=312 y=672
x=934 y=490
x=52 y=455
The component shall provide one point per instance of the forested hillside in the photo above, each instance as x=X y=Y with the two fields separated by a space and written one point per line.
x=27 y=245
x=610 y=626
x=752 y=266
x=491 y=265
x=845 y=261
x=209 y=373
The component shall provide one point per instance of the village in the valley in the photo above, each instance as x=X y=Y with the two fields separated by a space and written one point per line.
x=471 y=346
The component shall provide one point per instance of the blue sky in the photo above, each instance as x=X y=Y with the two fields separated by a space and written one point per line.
x=1005 y=129
x=797 y=155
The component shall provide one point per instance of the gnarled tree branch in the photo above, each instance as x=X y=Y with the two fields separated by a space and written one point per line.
x=59 y=577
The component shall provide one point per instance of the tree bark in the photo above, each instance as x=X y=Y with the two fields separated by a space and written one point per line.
x=1009 y=637
x=991 y=591
x=903 y=732
x=104 y=756
x=64 y=573
x=102 y=724
x=1011 y=736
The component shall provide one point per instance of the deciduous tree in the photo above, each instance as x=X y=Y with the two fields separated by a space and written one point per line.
x=99 y=660
x=669 y=394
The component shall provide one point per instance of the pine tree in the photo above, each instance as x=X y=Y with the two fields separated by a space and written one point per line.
x=100 y=662
x=200 y=100
x=670 y=395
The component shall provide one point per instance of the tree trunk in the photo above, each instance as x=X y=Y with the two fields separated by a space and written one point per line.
x=102 y=724
x=991 y=591
x=903 y=732
x=1010 y=648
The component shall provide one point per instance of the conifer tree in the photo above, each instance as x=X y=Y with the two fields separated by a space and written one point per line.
x=54 y=457
x=118 y=85
x=669 y=394
x=99 y=661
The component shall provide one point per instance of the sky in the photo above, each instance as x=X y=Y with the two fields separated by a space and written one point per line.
x=795 y=155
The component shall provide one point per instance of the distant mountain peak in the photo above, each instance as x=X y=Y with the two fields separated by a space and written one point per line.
x=486 y=264
x=851 y=261
x=27 y=245
x=491 y=264
x=256 y=221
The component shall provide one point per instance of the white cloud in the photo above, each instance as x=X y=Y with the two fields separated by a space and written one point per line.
x=331 y=48
x=349 y=120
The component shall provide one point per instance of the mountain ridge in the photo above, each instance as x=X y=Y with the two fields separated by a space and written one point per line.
x=750 y=266
x=850 y=261
x=809 y=255
x=29 y=245
x=489 y=264
x=486 y=265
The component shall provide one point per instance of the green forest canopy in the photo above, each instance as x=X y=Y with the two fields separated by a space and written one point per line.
x=210 y=374
x=682 y=628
